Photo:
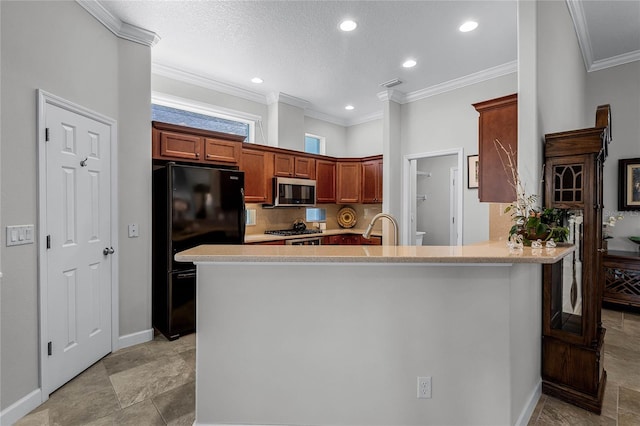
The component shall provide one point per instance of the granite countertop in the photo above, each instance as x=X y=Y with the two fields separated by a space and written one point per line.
x=490 y=252
x=258 y=238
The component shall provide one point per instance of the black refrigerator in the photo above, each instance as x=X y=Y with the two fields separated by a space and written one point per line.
x=191 y=206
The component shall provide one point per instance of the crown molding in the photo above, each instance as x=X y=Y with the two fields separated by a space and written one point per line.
x=458 y=83
x=274 y=97
x=365 y=119
x=392 y=95
x=207 y=83
x=622 y=59
x=326 y=117
x=116 y=26
x=580 y=24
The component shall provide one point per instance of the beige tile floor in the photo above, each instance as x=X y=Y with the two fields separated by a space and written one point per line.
x=153 y=384
x=148 y=384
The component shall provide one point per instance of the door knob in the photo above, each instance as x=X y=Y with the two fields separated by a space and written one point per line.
x=108 y=250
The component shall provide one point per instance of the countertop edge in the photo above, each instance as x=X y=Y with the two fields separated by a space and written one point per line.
x=487 y=253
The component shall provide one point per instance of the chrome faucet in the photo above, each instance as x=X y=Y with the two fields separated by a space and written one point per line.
x=393 y=220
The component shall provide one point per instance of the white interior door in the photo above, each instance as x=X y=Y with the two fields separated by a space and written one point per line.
x=453 y=207
x=77 y=308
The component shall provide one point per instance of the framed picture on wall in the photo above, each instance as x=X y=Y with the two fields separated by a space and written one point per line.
x=472 y=171
x=629 y=184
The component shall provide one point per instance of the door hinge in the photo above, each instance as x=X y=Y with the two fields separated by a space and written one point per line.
x=48 y=241
x=49 y=348
x=46 y=134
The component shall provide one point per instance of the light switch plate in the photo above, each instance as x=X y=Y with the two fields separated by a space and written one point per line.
x=20 y=234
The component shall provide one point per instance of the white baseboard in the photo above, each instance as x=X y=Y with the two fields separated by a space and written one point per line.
x=20 y=408
x=525 y=415
x=134 y=339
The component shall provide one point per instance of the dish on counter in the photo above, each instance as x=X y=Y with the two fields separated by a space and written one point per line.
x=347 y=217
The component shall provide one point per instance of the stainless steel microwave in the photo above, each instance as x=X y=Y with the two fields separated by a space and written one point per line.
x=290 y=192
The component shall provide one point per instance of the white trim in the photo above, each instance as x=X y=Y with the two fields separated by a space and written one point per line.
x=21 y=408
x=274 y=97
x=45 y=98
x=208 y=83
x=115 y=25
x=576 y=10
x=365 y=118
x=613 y=61
x=468 y=80
x=208 y=109
x=406 y=196
x=135 y=338
x=527 y=410
x=580 y=24
x=325 y=117
x=392 y=95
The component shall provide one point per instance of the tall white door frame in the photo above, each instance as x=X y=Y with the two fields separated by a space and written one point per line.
x=45 y=99
x=409 y=192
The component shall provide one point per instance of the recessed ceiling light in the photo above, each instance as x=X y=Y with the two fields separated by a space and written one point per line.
x=349 y=107
x=348 y=25
x=409 y=63
x=257 y=80
x=468 y=26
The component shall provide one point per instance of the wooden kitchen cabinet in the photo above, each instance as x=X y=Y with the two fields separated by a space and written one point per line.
x=283 y=165
x=325 y=181
x=351 y=240
x=257 y=166
x=498 y=120
x=288 y=165
x=170 y=146
x=348 y=182
x=171 y=142
x=305 y=167
x=372 y=181
x=222 y=151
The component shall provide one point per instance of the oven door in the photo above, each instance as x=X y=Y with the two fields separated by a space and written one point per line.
x=315 y=241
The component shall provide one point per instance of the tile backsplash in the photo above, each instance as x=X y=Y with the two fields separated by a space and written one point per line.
x=283 y=217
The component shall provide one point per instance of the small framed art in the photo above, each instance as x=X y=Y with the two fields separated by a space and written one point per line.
x=472 y=171
x=629 y=184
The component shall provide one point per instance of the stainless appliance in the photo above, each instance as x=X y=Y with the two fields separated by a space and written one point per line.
x=308 y=241
x=191 y=206
x=290 y=192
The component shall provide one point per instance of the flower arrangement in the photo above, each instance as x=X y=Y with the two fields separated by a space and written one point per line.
x=530 y=221
x=610 y=222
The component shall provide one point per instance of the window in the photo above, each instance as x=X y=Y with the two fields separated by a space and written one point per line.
x=185 y=112
x=314 y=144
x=316 y=215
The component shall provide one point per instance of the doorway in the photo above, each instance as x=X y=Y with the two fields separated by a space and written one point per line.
x=432 y=200
x=77 y=239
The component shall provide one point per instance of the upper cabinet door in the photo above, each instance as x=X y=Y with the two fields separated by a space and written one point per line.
x=221 y=151
x=348 y=182
x=283 y=165
x=372 y=181
x=498 y=121
x=177 y=145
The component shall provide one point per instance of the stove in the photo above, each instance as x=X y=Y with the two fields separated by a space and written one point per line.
x=289 y=232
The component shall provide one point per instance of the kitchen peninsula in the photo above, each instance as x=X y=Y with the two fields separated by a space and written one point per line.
x=339 y=334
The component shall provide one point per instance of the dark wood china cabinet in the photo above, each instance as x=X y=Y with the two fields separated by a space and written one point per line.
x=572 y=332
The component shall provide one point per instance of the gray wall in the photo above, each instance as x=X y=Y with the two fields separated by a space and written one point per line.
x=561 y=71
x=364 y=139
x=448 y=121
x=620 y=87
x=335 y=136
x=60 y=48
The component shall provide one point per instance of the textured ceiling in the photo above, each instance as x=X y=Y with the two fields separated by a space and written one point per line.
x=297 y=49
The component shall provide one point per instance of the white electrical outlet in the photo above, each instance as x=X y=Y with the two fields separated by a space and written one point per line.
x=133 y=230
x=424 y=387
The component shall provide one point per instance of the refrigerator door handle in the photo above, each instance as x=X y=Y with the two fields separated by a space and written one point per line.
x=186 y=275
x=243 y=217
